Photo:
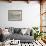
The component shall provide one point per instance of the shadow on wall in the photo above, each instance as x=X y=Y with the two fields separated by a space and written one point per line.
x=19 y=0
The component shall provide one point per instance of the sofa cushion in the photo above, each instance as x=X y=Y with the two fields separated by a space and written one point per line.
x=28 y=31
x=20 y=37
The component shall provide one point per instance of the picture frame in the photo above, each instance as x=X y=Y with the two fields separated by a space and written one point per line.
x=14 y=15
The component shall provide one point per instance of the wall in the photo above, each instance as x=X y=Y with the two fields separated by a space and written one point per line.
x=30 y=14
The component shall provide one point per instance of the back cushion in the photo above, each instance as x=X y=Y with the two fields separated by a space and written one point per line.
x=28 y=31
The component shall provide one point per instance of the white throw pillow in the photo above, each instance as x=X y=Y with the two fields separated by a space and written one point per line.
x=23 y=31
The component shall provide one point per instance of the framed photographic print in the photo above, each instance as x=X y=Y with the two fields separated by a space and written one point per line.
x=14 y=15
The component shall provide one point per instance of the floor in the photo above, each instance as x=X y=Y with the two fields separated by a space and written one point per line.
x=35 y=43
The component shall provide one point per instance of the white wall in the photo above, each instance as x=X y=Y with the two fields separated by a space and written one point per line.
x=30 y=14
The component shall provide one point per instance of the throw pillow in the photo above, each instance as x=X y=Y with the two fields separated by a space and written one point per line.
x=17 y=30
x=24 y=30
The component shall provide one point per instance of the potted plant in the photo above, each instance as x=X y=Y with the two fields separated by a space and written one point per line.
x=37 y=33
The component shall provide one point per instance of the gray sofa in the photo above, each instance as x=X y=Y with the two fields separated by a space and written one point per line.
x=17 y=35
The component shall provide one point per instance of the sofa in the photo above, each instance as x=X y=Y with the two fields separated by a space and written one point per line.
x=22 y=34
